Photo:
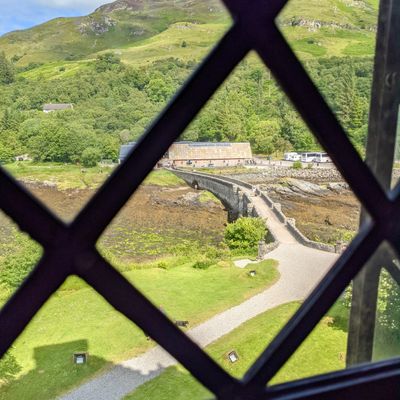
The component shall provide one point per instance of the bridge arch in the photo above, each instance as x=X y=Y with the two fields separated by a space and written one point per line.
x=229 y=195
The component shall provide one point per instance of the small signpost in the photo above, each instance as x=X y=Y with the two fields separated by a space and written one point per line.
x=233 y=356
x=80 y=358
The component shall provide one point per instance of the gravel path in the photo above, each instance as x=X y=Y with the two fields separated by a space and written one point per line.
x=300 y=267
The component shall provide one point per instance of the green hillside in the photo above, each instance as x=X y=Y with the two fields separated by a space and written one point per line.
x=142 y=31
x=120 y=65
x=122 y=23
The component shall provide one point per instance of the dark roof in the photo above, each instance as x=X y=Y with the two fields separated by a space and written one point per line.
x=57 y=107
x=125 y=150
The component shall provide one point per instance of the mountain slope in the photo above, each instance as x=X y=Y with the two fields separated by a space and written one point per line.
x=315 y=28
x=122 y=23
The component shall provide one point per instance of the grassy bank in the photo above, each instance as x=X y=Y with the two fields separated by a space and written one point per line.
x=323 y=351
x=69 y=176
x=78 y=319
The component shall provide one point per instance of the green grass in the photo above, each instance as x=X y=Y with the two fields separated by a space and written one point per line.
x=57 y=70
x=199 y=39
x=78 y=319
x=69 y=176
x=309 y=46
x=323 y=351
x=163 y=178
x=73 y=38
x=158 y=30
x=206 y=197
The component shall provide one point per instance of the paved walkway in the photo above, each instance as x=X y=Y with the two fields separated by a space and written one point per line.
x=301 y=268
x=278 y=229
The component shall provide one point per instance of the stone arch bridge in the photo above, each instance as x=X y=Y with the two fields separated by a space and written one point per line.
x=243 y=199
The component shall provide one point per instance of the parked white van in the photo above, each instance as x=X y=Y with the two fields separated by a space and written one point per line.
x=292 y=156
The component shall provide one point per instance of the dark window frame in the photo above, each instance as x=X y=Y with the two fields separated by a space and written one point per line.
x=70 y=248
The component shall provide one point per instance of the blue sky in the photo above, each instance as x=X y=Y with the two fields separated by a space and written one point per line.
x=20 y=14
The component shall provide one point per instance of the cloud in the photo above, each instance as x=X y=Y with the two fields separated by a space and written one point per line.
x=84 y=5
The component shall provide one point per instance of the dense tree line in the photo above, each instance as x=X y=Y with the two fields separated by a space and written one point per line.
x=114 y=103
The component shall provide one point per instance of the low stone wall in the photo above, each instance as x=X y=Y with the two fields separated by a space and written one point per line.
x=307 y=242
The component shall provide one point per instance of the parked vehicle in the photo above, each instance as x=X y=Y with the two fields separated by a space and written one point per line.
x=315 y=157
x=292 y=156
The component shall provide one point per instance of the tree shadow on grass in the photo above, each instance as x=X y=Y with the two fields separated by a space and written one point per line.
x=56 y=373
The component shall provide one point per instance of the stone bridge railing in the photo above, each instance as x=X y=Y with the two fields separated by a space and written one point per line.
x=239 y=203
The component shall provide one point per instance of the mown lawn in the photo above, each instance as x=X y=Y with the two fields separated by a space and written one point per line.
x=77 y=319
x=323 y=351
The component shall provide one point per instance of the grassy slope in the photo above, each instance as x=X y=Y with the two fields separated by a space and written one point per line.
x=75 y=37
x=348 y=29
x=77 y=319
x=68 y=176
x=323 y=351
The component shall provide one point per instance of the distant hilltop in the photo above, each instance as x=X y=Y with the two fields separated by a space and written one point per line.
x=316 y=28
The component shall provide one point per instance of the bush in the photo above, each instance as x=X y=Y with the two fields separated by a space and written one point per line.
x=202 y=264
x=90 y=157
x=8 y=368
x=297 y=165
x=19 y=261
x=245 y=233
x=107 y=62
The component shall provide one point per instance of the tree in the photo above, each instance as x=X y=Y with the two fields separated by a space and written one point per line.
x=7 y=71
x=90 y=157
x=265 y=136
x=245 y=233
x=19 y=261
x=351 y=109
x=107 y=62
x=6 y=154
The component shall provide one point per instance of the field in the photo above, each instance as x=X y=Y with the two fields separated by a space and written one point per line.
x=78 y=319
x=323 y=351
x=69 y=176
x=186 y=31
x=167 y=241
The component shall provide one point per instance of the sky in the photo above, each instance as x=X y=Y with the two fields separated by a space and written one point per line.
x=21 y=14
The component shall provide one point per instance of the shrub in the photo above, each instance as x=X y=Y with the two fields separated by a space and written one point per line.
x=202 y=264
x=107 y=62
x=297 y=165
x=90 y=157
x=245 y=233
x=8 y=368
x=19 y=261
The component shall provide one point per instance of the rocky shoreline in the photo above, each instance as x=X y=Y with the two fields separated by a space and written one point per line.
x=270 y=173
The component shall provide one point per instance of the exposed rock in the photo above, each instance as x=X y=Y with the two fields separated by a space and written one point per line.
x=304 y=187
x=338 y=187
x=97 y=26
x=130 y=5
x=314 y=25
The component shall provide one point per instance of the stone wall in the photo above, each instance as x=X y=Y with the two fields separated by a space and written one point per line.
x=210 y=151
